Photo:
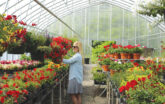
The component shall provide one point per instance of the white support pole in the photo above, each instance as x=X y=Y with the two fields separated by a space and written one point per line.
x=159 y=44
x=123 y=28
x=98 y=21
x=85 y=37
x=110 y=31
x=6 y=5
x=135 y=29
x=89 y=23
x=60 y=29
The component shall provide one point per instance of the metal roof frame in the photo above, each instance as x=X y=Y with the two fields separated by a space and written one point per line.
x=70 y=7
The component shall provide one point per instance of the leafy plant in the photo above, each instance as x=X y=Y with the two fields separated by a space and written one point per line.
x=100 y=49
x=25 y=57
x=105 y=61
x=34 y=40
x=154 y=8
x=137 y=50
x=98 y=75
x=44 y=49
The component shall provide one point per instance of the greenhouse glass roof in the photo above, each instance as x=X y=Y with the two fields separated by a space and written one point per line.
x=45 y=12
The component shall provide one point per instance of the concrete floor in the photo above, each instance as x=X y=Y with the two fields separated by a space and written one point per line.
x=91 y=92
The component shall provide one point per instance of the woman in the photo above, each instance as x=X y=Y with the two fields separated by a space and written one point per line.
x=75 y=74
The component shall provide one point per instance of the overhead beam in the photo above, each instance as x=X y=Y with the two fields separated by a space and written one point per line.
x=57 y=18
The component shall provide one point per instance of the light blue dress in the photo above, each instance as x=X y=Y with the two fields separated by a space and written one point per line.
x=76 y=68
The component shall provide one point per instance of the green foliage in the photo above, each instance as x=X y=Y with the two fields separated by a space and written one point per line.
x=24 y=57
x=16 y=47
x=95 y=43
x=98 y=75
x=44 y=49
x=33 y=41
x=137 y=50
x=100 y=49
x=105 y=61
x=154 y=8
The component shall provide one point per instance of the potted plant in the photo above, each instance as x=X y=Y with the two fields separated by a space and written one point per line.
x=115 y=67
x=124 y=53
x=86 y=59
x=105 y=64
x=16 y=47
x=137 y=51
x=98 y=76
x=33 y=41
x=116 y=53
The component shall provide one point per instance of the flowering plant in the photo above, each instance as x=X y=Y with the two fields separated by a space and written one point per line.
x=15 y=90
x=18 y=64
x=8 y=26
x=60 y=46
x=144 y=89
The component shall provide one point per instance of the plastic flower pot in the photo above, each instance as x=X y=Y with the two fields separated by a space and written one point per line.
x=100 y=82
x=124 y=55
x=136 y=56
x=130 y=56
x=113 y=71
x=105 y=67
x=117 y=56
x=111 y=55
x=86 y=60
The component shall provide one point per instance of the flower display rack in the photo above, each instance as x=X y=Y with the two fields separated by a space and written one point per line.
x=47 y=93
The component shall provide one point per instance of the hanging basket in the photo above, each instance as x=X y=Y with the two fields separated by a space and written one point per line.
x=136 y=56
x=16 y=50
x=1 y=53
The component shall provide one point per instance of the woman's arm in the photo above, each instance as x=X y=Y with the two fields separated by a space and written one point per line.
x=71 y=60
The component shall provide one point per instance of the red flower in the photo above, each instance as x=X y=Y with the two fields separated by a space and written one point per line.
x=14 y=84
x=132 y=61
x=163 y=68
x=2 y=99
x=127 y=86
x=149 y=76
x=4 y=78
x=160 y=66
x=25 y=91
x=6 y=86
x=33 y=24
x=1 y=92
x=48 y=69
x=121 y=89
x=22 y=23
x=136 y=64
x=139 y=79
x=55 y=74
x=143 y=79
x=9 y=17
x=133 y=83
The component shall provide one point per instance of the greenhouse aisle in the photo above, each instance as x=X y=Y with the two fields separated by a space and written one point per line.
x=91 y=92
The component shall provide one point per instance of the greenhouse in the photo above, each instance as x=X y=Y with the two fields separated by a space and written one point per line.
x=82 y=52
